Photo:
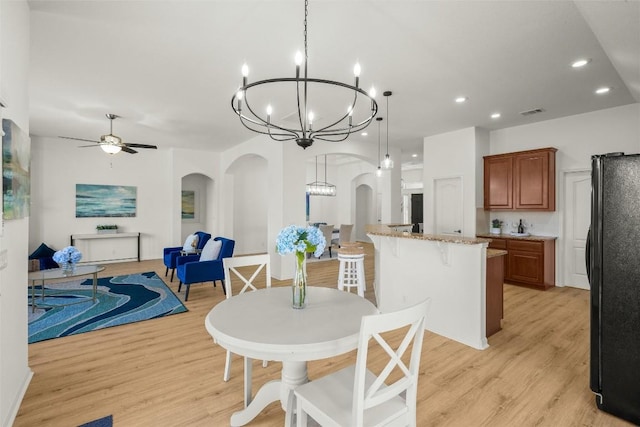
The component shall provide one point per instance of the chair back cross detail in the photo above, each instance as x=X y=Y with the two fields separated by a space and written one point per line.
x=356 y=396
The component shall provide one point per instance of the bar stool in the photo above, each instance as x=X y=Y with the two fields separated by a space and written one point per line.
x=351 y=272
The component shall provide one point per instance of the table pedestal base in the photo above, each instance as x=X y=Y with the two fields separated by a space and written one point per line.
x=293 y=375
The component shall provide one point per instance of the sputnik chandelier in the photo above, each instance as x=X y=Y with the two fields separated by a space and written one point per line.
x=296 y=118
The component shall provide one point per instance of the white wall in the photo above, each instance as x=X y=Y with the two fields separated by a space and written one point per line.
x=14 y=66
x=58 y=165
x=453 y=154
x=250 y=203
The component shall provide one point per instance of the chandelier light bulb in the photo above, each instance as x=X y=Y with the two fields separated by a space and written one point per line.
x=269 y=110
x=239 y=95
x=298 y=58
x=311 y=117
x=245 y=70
x=350 y=110
x=356 y=69
x=372 y=92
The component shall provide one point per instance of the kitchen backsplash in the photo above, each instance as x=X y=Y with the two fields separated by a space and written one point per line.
x=538 y=223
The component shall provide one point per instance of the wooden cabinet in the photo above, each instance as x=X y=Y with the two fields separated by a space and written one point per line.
x=528 y=262
x=524 y=180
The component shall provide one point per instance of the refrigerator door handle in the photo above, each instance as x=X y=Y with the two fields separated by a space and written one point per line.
x=587 y=255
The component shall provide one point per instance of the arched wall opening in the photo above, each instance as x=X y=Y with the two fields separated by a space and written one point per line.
x=196 y=204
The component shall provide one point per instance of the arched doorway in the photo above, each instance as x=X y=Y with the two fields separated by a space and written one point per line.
x=196 y=204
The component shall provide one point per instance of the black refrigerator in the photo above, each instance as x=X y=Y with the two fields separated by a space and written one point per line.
x=613 y=267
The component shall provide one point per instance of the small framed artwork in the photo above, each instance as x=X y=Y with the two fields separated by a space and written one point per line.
x=188 y=204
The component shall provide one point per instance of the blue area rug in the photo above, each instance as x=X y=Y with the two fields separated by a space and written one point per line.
x=102 y=422
x=119 y=300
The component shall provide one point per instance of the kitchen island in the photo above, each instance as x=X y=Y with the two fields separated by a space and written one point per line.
x=450 y=270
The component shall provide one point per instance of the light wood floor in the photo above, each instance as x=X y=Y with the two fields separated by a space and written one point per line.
x=168 y=371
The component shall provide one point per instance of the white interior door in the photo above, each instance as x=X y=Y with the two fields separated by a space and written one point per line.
x=448 y=213
x=577 y=190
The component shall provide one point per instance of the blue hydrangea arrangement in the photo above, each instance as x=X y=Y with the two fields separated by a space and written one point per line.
x=299 y=239
x=68 y=255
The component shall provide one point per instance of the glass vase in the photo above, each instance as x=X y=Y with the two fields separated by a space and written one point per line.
x=299 y=285
x=67 y=268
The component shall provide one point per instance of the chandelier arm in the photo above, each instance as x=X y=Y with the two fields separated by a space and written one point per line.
x=341 y=131
x=243 y=119
x=324 y=138
x=353 y=105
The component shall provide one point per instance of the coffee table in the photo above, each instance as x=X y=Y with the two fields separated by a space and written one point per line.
x=57 y=274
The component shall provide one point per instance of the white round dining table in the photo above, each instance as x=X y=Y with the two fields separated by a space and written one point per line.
x=263 y=325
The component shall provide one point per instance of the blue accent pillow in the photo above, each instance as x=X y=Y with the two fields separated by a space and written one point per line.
x=43 y=251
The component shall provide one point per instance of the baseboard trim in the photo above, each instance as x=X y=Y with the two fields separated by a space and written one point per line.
x=15 y=406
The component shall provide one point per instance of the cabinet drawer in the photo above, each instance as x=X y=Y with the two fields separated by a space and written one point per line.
x=498 y=244
x=525 y=245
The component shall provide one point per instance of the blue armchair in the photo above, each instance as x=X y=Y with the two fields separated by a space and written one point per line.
x=190 y=269
x=170 y=255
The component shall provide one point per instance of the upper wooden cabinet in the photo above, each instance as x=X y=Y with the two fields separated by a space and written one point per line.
x=524 y=180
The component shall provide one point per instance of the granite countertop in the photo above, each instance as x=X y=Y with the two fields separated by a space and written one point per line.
x=431 y=237
x=495 y=252
x=509 y=236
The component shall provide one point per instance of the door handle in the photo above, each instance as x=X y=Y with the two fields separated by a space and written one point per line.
x=457 y=231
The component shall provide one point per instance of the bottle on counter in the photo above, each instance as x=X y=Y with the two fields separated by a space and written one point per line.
x=520 y=228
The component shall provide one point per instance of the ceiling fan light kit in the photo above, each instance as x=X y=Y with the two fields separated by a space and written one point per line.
x=111 y=143
x=356 y=117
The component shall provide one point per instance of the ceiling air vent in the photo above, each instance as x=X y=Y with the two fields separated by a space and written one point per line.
x=530 y=112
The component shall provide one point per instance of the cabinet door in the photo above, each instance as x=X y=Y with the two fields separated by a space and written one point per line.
x=498 y=182
x=525 y=267
x=534 y=181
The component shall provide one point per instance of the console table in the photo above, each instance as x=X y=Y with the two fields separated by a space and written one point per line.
x=75 y=237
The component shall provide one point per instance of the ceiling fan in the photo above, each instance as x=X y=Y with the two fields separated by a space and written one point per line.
x=111 y=143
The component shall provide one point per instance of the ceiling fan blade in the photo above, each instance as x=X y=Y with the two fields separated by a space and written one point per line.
x=86 y=146
x=79 y=139
x=141 y=146
x=128 y=150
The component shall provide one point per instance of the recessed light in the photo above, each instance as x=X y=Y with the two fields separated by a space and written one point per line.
x=603 y=90
x=414 y=155
x=495 y=116
x=580 y=63
x=364 y=134
x=461 y=99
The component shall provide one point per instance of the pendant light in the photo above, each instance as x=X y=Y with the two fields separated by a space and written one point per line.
x=387 y=163
x=321 y=188
x=379 y=170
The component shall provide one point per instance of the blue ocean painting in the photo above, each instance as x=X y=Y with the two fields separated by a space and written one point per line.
x=105 y=201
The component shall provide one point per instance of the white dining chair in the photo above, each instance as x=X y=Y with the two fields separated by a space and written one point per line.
x=355 y=396
x=231 y=279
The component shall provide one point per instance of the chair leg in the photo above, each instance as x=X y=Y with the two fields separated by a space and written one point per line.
x=186 y=295
x=301 y=416
x=329 y=251
x=166 y=271
x=179 y=285
x=172 y=271
x=224 y=287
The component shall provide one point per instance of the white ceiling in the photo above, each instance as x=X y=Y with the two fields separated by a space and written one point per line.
x=169 y=68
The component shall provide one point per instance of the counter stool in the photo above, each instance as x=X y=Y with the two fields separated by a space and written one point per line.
x=351 y=273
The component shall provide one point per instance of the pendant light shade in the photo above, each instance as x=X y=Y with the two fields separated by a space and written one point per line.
x=387 y=163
